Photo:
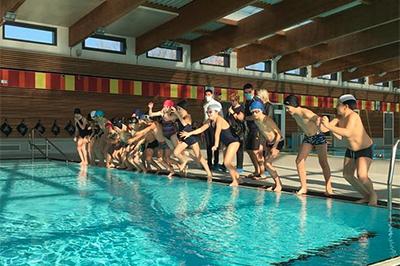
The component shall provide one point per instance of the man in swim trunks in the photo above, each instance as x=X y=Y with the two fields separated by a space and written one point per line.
x=274 y=140
x=358 y=157
x=314 y=138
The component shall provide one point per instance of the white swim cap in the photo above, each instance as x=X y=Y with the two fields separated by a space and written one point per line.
x=214 y=107
x=347 y=97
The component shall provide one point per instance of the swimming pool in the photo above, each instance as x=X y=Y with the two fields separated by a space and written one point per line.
x=52 y=213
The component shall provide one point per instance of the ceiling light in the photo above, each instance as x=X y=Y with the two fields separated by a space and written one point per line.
x=10 y=16
x=352 y=69
x=100 y=31
x=318 y=64
x=382 y=74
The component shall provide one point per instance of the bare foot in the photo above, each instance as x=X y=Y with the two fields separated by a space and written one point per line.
x=302 y=191
x=170 y=175
x=234 y=184
x=278 y=187
x=328 y=190
x=209 y=179
x=363 y=200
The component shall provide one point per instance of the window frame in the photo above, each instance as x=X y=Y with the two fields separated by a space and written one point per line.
x=266 y=69
x=227 y=61
x=179 y=53
x=109 y=38
x=30 y=26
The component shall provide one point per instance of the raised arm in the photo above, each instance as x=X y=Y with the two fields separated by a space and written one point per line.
x=151 y=113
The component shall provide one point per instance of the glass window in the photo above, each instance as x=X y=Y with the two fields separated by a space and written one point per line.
x=359 y=81
x=329 y=76
x=217 y=60
x=382 y=84
x=260 y=66
x=105 y=44
x=173 y=54
x=29 y=33
x=297 y=72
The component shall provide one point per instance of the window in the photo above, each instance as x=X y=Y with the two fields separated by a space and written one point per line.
x=388 y=128
x=166 y=53
x=297 y=72
x=382 y=84
x=359 y=81
x=105 y=44
x=260 y=66
x=222 y=60
x=23 y=32
x=329 y=76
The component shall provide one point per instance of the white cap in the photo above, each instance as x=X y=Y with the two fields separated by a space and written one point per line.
x=347 y=97
x=93 y=114
x=214 y=107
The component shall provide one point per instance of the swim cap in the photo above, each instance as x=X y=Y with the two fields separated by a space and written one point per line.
x=99 y=113
x=77 y=111
x=93 y=114
x=291 y=100
x=257 y=105
x=214 y=107
x=347 y=97
x=168 y=103
x=182 y=104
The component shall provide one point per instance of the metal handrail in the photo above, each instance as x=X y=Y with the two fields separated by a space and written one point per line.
x=46 y=154
x=390 y=175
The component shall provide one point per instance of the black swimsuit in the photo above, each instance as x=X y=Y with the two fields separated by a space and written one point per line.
x=83 y=132
x=190 y=140
x=227 y=137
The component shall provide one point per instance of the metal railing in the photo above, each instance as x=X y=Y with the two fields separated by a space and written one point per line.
x=390 y=175
x=48 y=143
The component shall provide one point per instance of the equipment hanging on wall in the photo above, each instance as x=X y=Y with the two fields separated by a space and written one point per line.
x=55 y=129
x=22 y=128
x=39 y=127
x=70 y=128
x=6 y=128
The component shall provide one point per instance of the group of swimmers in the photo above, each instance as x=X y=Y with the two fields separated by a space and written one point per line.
x=167 y=140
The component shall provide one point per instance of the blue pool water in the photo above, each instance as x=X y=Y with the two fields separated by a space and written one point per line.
x=57 y=214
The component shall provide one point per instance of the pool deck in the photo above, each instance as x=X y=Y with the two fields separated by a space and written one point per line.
x=287 y=170
x=392 y=262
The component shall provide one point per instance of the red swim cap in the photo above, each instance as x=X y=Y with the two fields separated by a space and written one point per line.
x=168 y=103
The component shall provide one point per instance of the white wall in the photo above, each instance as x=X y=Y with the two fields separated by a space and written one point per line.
x=63 y=49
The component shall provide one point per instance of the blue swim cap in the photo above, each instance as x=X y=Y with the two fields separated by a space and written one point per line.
x=99 y=113
x=257 y=105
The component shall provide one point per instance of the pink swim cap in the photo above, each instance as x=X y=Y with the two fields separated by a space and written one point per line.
x=168 y=103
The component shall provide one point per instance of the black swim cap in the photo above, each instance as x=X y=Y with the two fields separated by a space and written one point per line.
x=291 y=100
x=77 y=111
x=182 y=104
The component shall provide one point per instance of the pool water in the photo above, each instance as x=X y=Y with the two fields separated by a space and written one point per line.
x=57 y=214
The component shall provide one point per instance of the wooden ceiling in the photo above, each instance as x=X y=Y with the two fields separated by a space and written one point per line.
x=358 y=38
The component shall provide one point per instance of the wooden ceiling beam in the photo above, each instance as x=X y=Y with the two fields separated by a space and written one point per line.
x=272 y=19
x=191 y=16
x=356 y=60
x=8 y=6
x=368 y=70
x=351 y=44
x=389 y=76
x=103 y=15
x=350 y=21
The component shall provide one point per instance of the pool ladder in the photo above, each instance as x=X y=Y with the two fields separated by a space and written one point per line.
x=390 y=175
x=48 y=143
